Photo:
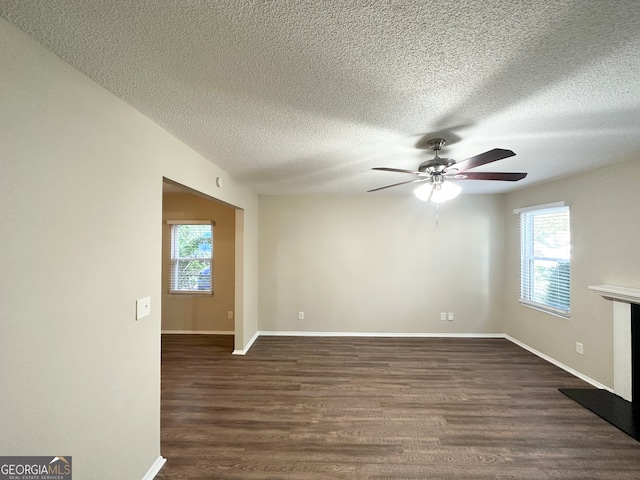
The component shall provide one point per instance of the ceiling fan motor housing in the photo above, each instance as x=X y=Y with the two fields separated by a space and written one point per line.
x=436 y=164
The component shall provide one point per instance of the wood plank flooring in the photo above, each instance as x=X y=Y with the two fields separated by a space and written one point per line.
x=377 y=408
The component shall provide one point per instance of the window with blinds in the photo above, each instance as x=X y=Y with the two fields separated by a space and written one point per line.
x=545 y=243
x=191 y=257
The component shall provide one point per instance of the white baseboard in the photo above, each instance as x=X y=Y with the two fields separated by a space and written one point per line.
x=197 y=332
x=378 y=334
x=558 y=364
x=248 y=346
x=155 y=468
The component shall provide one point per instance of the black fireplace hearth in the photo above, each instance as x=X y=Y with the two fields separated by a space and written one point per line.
x=616 y=410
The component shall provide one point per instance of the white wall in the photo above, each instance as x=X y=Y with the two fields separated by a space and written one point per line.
x=378 y=263
x=81 y=211
x=605 y=229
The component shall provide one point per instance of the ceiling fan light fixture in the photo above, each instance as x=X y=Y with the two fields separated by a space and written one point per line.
x=423 y=192
x=445 y=191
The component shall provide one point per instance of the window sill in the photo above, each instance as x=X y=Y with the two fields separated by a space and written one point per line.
x=545 y=309
x=197 y=293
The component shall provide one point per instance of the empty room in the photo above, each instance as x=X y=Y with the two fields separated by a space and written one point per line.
x=320 y=239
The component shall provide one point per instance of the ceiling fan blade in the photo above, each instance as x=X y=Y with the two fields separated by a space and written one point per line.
x=483 y=158
x=397 y=184
x=388 y=169
x=507 y=177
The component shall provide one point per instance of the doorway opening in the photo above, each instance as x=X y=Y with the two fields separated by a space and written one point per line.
x=218 y=310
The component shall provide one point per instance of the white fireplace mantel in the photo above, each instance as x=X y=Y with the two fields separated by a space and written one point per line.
x=615 y=292
x=622 y=298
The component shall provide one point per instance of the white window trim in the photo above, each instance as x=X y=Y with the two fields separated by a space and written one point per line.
x=171 y=259
x=528 y=303
x=190 y=222
x=541 y=207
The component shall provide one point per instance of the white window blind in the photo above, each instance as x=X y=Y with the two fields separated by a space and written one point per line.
x=191 y=257
x=545 y=242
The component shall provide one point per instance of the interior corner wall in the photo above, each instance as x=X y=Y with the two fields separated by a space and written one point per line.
x=81 y=213
x=380 y=264
x=183 y=312
x=605 y=207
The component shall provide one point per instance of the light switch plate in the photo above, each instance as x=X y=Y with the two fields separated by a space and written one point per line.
x=143 y=307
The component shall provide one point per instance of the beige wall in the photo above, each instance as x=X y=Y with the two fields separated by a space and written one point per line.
x=378 y=263
x=605 y=229
x=198 y=312
x=81 y=213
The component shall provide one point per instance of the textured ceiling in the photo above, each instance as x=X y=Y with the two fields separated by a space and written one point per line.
x=307 y=96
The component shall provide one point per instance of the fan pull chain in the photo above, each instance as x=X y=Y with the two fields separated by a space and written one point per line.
x=437 y=214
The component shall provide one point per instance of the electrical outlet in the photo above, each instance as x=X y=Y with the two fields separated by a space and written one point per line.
x=443 y=316
x=230 y=314
x=579 y=348
x=300 y=315
x=450 y=316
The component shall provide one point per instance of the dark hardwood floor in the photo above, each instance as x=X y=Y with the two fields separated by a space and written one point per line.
x=377 y=408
